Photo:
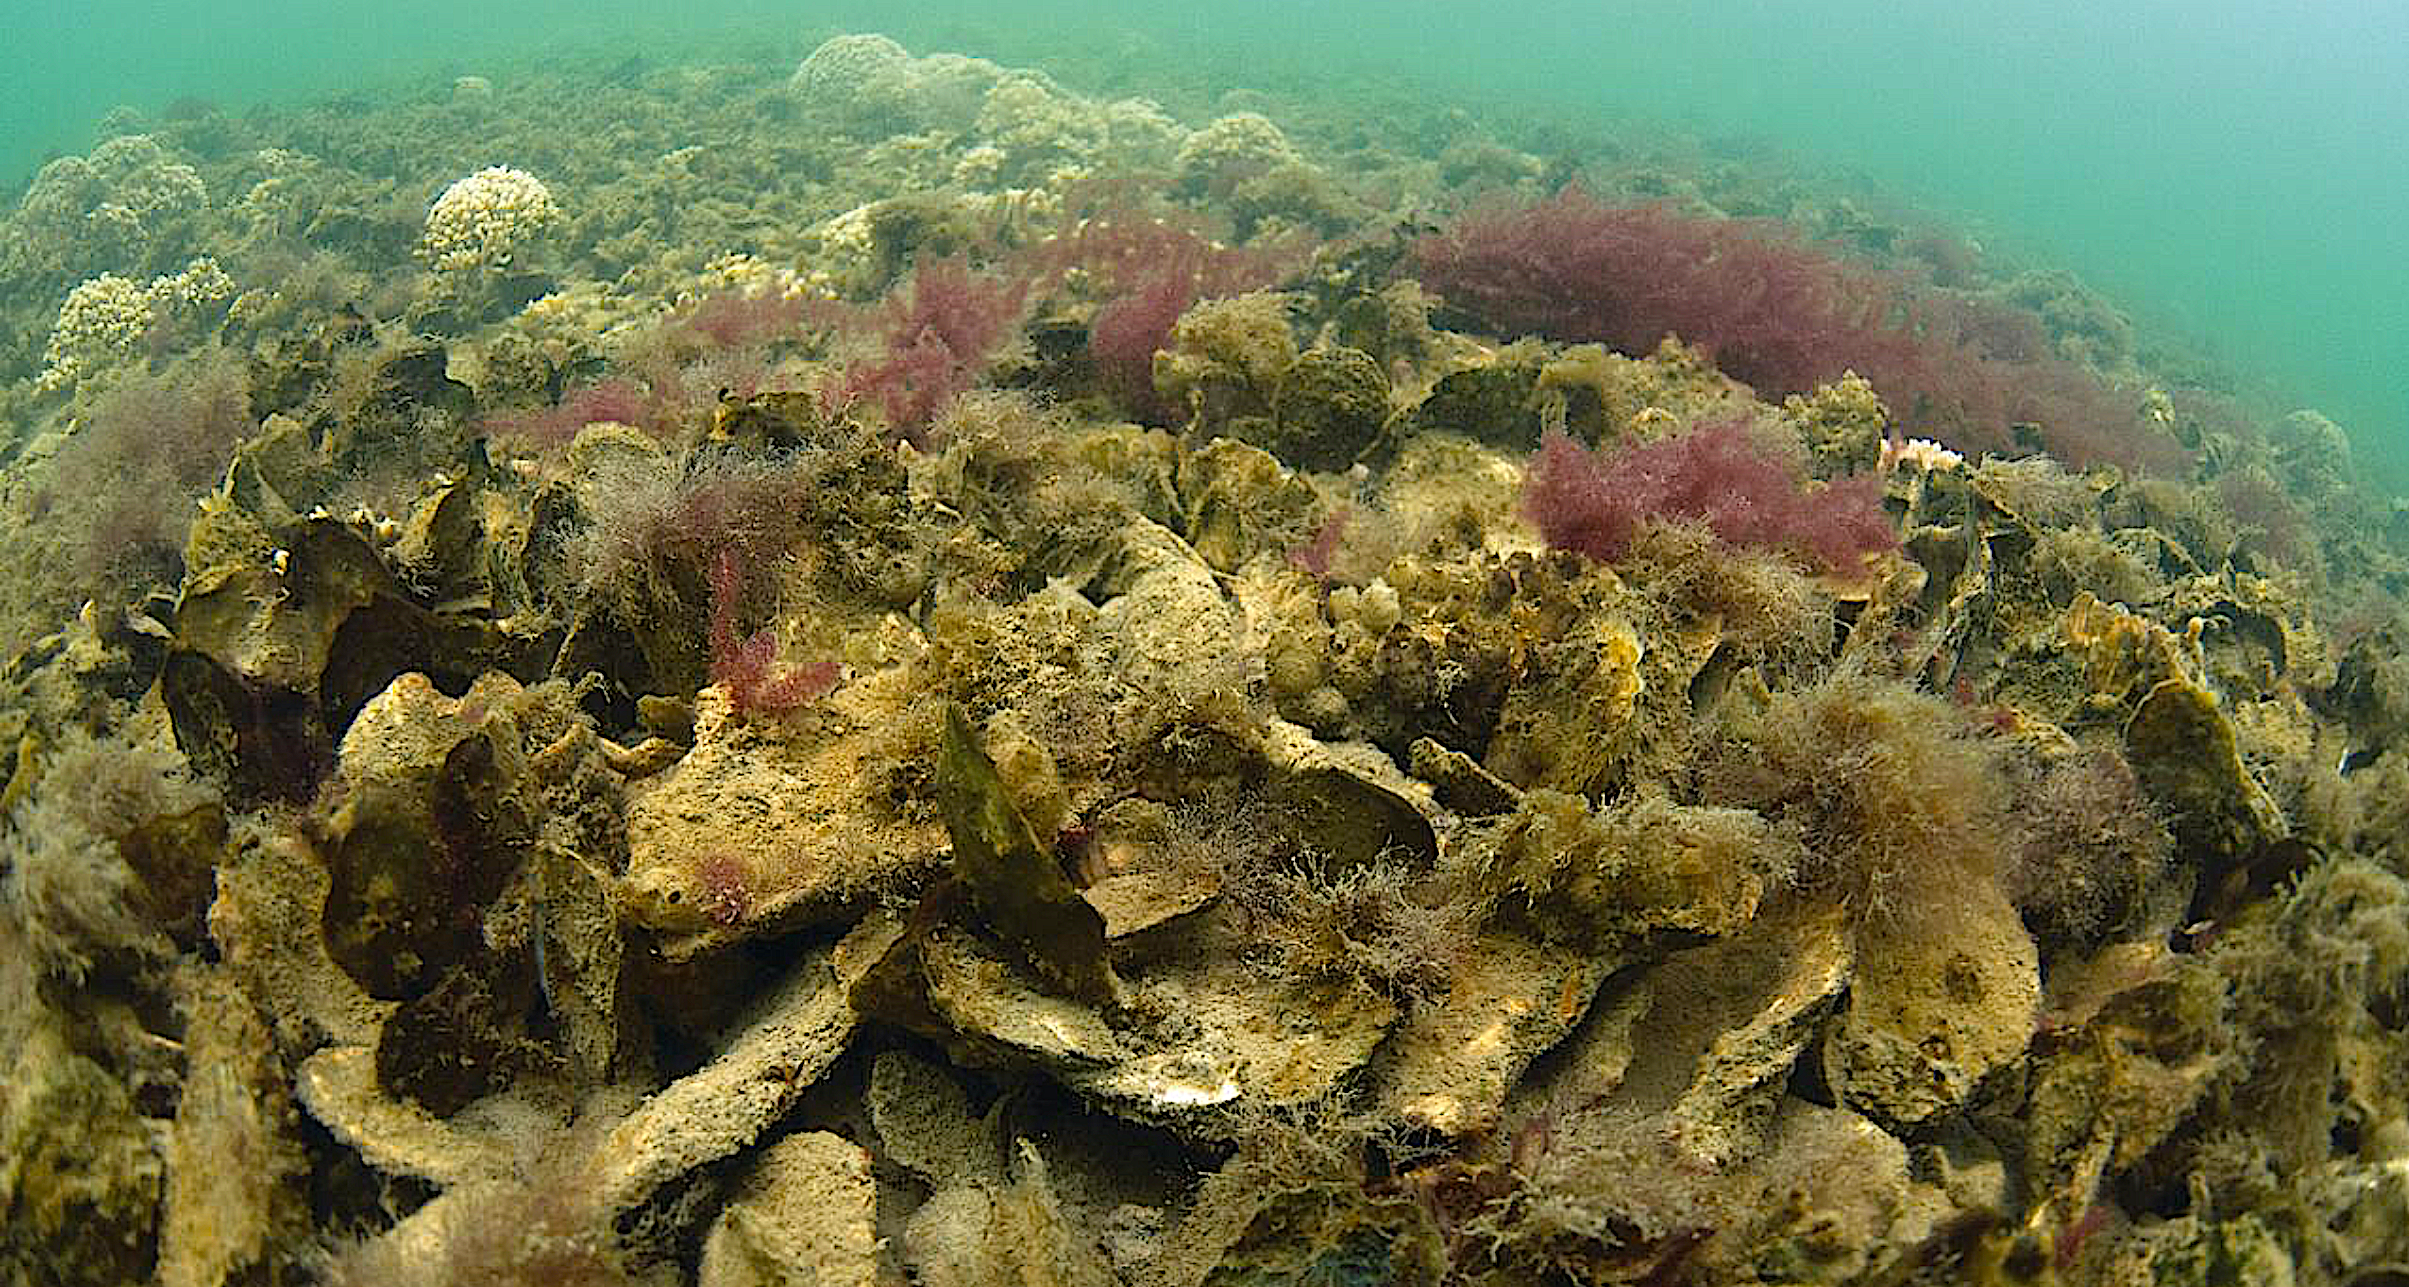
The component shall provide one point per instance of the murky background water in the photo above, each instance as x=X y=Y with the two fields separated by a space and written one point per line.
x=2233 y=174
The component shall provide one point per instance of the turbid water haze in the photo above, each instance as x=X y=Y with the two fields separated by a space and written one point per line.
x=2233 y=174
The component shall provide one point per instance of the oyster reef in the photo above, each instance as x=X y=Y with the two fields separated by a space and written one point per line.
x=894 y=671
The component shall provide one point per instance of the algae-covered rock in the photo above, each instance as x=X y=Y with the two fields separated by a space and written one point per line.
x=1329 y=407
x=405 y=414
x=1493 y=401
x=1704 y=1040
x=1019 y=888
x=234 y=1203
x=1241 y=502
x=2191 y=1250
x=1611 y=877
x=924 y=1123
x=1231 y=150
x=773 y=1053
x=282 y=634
x=1842 y=423
x=1740 y=1012
x=467 y=855
x=805 y=1211
x=340 y=1087
x=1240 y=1040
x=1507 y=1002
x=1348 y=802
x=80 y=1174
x=2183 y=749
x=432 y=827
x=1225 y=359
x=967 y=1234
x=771 y=824
x=1203 y=1034
x=1935 y=1009
x=108 y=855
